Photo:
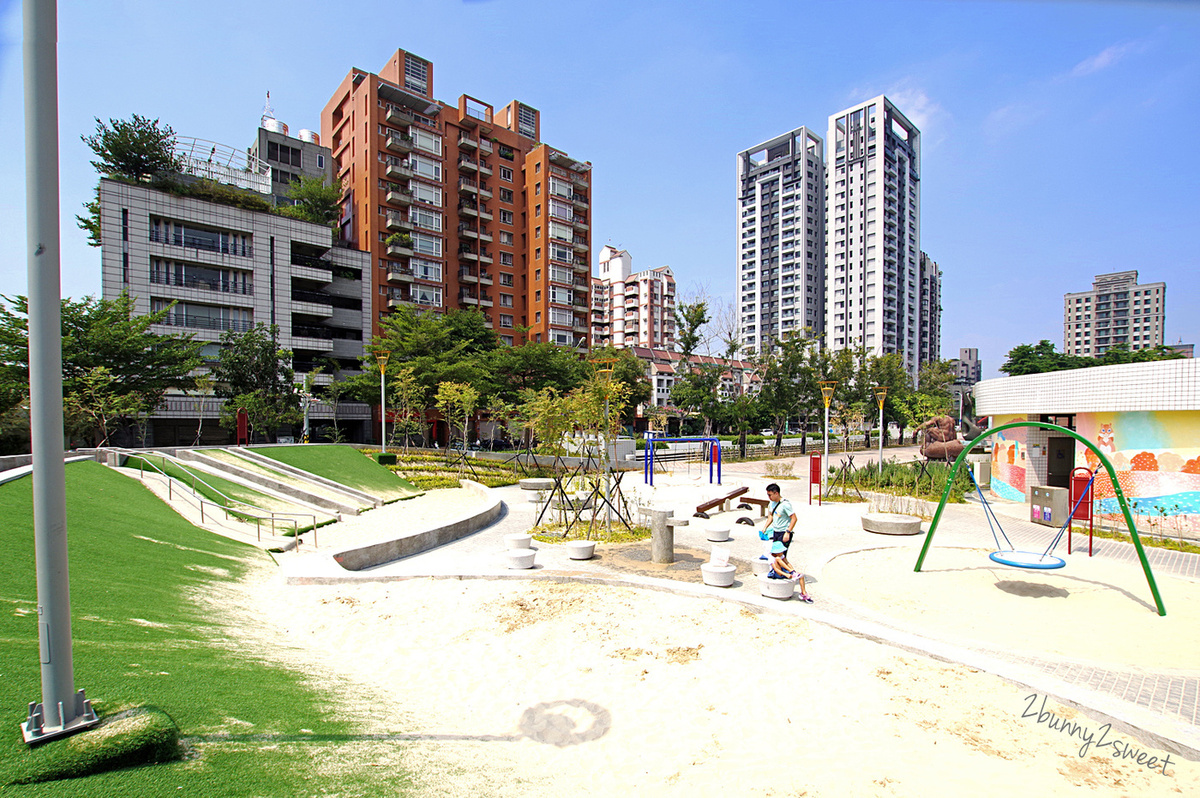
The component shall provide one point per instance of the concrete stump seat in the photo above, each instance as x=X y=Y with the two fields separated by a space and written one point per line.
x=718 y=575
x=718 y=534
x=891 y=524
x=536 y=483
x=520 y=558
x=518 y=540
x=776 y=588
x=581 y=549
x=760 y=566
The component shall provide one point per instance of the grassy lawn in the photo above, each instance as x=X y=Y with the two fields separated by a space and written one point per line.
x=346 y=466
x=250 y=728
x=239 y=493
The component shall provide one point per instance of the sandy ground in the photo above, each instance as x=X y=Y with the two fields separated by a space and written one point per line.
x=1094 y=610
x=518 y=688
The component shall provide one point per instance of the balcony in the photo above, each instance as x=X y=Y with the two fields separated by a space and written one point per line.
x=398 y=196
x=484 y=191
x=485 y=257
x=467 y=298
x=580 y=244
x=581 y=266
x=468 y=186
x=398 y=171
x=485 y=147
x=467 y=143
x=485 y=214
x=401 y=247
x=400 y=274
x=467 y=276
x=579 y=180
x=466 y=231
x=467 y=254
x=467 y=164
x=397 y=223
x=485 y=278
x=485 y=300
x=579 y=222
x=395 y=302
x=484 y=169
x=485 y=234
x=398 y=116
x=468 y=209
x=398 y=142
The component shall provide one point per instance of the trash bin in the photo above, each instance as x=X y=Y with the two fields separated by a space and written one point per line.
x=1048 y=506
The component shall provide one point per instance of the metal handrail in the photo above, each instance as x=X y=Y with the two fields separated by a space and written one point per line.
x=257 y=513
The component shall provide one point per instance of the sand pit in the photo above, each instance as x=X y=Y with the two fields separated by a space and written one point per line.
x=517 y=688
x=1093 y=609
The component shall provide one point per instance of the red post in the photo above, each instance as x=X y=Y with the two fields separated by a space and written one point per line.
x=243 y=427
x=1081 y=486
x=814 y=475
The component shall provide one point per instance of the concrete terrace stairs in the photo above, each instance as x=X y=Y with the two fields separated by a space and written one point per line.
x=283 y=482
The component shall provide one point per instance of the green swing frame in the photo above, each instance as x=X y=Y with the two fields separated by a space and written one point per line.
x=1108 y=467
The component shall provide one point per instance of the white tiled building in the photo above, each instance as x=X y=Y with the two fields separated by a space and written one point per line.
x=1116 y=311
x=873 y=233
x=632 y=308
x=781 y=238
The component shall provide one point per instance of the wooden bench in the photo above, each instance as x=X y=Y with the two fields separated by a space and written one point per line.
x=702 y=509
x=763 y=504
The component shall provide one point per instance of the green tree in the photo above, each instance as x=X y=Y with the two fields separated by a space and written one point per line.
x=631 y=372
x=254 y=373
x=534 y=366
x=100 y=334
x=137 y=149
x=316 y=201
x=457 y=401
x=97 y=404
x=410 y=400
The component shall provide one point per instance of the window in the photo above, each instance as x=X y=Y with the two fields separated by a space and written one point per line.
x=424 y=140
x=506 y=321
x=560 y=209
x=562 y=338
x=506 y=217
x=560 y=274
x=506 y=195
x=427 y=194
x=506 y=259
x=320 y=161
x=560 y=253
x=560 y=188
x=506 y=279
x=429 y=220
x=560 y=231
x=562 y=296
x=527 y=121
x=426 y=269
x=506 y=300
x=427 y=245
x=506 y=237
x=416 y=74
x=506 y=174
x=427 y=295
x=425 y=167
x=507 y=340
x=563 y=317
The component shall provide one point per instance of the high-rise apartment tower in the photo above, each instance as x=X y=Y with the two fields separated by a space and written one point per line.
x=632 y=308
x=781 y=234
x=1116 y=311
x=873 y=232
x=460 y=205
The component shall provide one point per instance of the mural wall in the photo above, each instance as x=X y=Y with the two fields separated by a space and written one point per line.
x=1008 y=460
x=1156 y=455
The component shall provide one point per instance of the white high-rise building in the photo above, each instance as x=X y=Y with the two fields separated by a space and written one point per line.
x=632 y=309
x=781 y=262
x=873 y=232
x=1118 y=310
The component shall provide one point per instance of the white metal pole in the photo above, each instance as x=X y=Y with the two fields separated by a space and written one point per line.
x=825 y=461
x=881 y=438
x=62 y=710
x=382 y=412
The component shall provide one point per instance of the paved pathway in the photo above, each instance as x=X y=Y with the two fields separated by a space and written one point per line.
x=1165 y=706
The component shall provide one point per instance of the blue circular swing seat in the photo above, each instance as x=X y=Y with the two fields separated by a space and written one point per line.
x=1027 y=559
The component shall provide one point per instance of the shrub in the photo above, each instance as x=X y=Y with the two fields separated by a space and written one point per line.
x=386 y=458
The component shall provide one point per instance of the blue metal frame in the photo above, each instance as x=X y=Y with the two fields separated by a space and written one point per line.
x=648 y=457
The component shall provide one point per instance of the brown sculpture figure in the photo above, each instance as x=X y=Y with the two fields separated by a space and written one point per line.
x=941 y=439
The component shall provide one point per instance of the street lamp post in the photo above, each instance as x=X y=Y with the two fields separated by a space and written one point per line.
x=826 y=395
x=880 y=395
x=382 y=358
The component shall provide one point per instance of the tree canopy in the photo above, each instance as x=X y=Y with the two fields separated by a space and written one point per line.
x=1042 y=357
x=252 y=372
x=316 y=201
x=137 y=149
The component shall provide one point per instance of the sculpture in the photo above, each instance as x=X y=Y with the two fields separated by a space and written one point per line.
x=941 y=440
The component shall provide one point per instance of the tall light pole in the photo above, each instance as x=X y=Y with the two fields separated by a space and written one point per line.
x=826 y=395
x=382 y=359
x=62 y=710
x=880 y=395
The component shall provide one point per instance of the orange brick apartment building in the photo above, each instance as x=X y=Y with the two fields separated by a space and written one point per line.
x=479 y=213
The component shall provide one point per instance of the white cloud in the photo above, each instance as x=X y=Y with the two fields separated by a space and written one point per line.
x=1106 y=58
x=919 y=107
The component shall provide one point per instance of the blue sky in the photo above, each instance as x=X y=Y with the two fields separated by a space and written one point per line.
x=1059 y=139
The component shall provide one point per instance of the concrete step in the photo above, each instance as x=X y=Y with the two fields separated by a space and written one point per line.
x=286 y=488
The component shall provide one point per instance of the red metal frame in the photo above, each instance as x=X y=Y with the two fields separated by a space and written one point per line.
x=1080 y=485
x=814 y=475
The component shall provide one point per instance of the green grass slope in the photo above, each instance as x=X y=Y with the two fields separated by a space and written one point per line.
x=248 y=728
x=346 y=466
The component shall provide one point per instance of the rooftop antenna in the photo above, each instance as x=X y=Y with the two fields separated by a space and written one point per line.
x=268 y=111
